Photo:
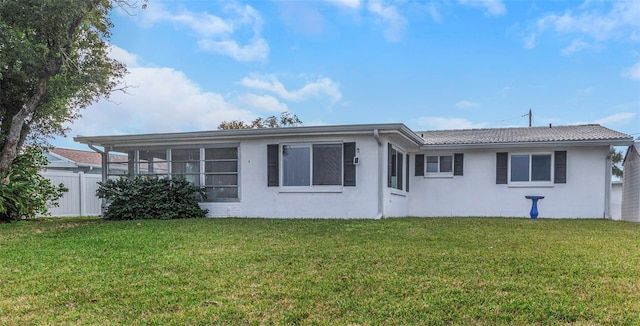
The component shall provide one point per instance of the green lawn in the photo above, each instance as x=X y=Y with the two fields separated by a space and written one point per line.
x=348 y=272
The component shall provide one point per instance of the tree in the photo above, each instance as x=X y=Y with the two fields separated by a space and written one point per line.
x=616 y=160
x=287 y=119
x=53 y=62
x=24 y=193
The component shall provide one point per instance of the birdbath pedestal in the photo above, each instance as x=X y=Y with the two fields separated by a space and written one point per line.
x=534 y=206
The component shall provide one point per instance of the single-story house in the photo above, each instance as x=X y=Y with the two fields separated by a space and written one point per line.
x=631 y=184
x=380 y=170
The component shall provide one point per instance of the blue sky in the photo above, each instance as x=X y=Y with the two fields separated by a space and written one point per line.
x=446 y=64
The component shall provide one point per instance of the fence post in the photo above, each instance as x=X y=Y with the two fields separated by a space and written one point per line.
x=81 y=194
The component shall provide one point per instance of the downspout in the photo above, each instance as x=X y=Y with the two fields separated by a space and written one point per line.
x=607 y=188
x=105 y=166
x=376 y=135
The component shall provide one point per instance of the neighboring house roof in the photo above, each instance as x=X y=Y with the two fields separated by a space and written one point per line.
x=583 y=134
x=78 y=156
x=65 y=157
x=632 y=153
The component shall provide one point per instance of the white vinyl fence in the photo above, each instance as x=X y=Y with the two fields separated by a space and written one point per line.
x=81 y=199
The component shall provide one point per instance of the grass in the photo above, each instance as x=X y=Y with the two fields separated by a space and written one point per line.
x=480 y=271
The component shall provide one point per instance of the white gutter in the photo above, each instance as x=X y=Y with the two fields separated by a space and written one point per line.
x=566 y=143
x=376 y=135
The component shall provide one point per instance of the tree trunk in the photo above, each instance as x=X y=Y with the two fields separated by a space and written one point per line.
x=11 y=143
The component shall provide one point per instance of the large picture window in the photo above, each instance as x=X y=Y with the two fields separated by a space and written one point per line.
x=530 y=168
x=305 y=165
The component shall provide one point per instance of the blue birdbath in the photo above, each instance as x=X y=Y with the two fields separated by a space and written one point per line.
x=534 y=206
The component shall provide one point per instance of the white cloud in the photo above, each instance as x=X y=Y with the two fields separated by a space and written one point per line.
x=120 y=54
x=321 y=87
x=632 y=72
x=216 y=34
x=161 y=100
x=467 y=104
x=585 y=91
x=256 y=50
x=621 y=22
x=434 y=12
x=394 y=22
x=491 y=7
x=441 y=123
x=616 y=118
x=530 y=41
x=261 y=102
x=575 y=46
x=350 y=4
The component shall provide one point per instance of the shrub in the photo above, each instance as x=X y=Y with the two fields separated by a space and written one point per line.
x=24 y=193
x=150 y=198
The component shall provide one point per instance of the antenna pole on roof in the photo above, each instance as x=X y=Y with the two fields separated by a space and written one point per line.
x=530 y=117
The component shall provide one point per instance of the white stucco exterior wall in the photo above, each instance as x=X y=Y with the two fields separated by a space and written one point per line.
x=476 y=193
x=259 y=200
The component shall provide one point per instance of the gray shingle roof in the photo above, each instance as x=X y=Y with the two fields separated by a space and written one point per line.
x=589 y=132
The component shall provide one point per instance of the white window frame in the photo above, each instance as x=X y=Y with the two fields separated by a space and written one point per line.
x=403 y=166
x=531 y=183
x=438 y=174
x=311 y=187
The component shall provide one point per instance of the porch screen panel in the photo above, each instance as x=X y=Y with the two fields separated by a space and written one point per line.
x=120 y=164
x=153 y=162
x=221 y=173
x=186 y=163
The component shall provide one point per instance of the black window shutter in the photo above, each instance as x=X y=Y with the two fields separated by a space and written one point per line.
x=399 y=167
x=408 y=174
x=389 y=164
x=502 y=162
x=273 y=177
x=419 y=164
x=349 y=169
x=458 y=164
x=560 y=167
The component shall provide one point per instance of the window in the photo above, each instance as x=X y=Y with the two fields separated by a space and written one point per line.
x=530 y=168
x=221 y=173
x=394 y=168
x=305 y=165
x=439 y=165
x=215 y=169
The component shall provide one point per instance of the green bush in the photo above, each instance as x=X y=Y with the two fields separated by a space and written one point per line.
x=150 y=198
x=24 y=193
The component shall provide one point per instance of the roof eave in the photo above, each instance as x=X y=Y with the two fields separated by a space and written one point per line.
x=603 y=142
x=237 y=135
